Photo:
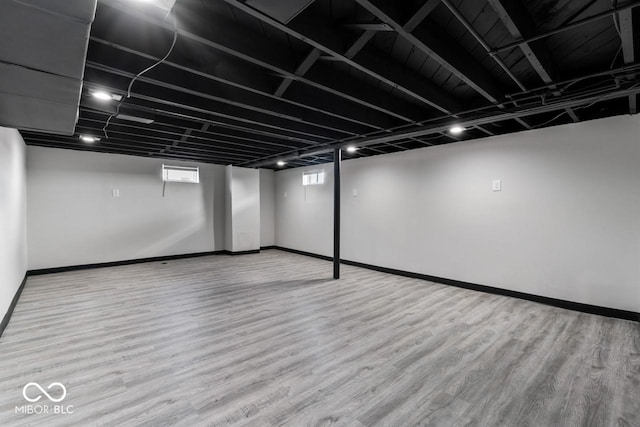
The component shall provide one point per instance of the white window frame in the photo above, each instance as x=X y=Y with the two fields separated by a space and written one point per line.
x=194 y=172
x=313 y=177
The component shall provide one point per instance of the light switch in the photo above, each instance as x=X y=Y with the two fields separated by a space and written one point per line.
x=354 y=193
x=115 y=192
x=285 y=194
x=497 y=185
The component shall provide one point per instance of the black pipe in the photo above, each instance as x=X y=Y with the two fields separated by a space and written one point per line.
x=337 y=161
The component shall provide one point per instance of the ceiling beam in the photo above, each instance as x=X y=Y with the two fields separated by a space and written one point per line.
x=416 y=18
x=420 y=15
x=119 y=146
x=136 y=138
x=315 y=54
x=331 y=45
x=232 y=136
x=252 y=48
x=443 y=125
x=486 y=47
x=351 y=52
x=485 y=130
x=369 y=61
x=195 y=136
x=369 y=26
x=225 y=129
x=515 y=18
x=228 y=102
x=304 y=66
x=359 y=43
x=628 y=49
x=439 y=46
x=567 y=27
x=157 y=98
x=232 y=74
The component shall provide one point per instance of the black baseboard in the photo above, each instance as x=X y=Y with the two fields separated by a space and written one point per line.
x=264 y=248
x=119 y=263
x=570 y=305
x=253 y=251
x=295 y=251
x=12 y=306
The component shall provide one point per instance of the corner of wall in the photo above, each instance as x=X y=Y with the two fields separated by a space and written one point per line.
x=13 y=227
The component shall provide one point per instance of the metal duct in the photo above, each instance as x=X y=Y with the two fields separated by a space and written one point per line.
x=42 y=56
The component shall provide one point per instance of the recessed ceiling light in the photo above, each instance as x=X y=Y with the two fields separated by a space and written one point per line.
x=105 y=96
x=101 y=95
x=456 y=130
x=88 y=138
x=281 y=163
x=352 y=149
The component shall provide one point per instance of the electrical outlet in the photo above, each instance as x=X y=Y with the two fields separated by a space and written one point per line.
x=497 y=185
x=115 y=192
x=354 y=193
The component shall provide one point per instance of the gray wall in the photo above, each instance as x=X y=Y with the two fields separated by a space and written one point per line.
x=267 y=207
x=74 y=219
x=13 y=215
x=565 y=225
x=243 y=209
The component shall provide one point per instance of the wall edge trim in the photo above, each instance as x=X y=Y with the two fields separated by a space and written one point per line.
x=569 y=305
x=38 y=272
x=12 y=306
x=253 y=251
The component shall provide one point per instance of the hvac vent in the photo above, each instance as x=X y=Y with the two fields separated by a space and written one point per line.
x=180 y=174
x=282 y=10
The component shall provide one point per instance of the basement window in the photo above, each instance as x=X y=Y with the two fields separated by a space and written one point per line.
x=313 y=177
x=180 y=174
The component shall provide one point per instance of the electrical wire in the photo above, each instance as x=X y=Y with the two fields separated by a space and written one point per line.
x=541 y=125
x=164 y=58
x=137 y=76
x=577 y=108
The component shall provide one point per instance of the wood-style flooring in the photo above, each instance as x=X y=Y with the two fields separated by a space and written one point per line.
x=269 y=339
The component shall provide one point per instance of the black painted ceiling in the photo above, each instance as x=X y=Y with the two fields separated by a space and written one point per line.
x=242 y=88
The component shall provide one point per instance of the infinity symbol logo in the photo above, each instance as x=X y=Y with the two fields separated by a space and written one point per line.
x=36 y=385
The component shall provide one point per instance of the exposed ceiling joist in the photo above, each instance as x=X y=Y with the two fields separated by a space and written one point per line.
x=369 y=26
x=204 y=95
x=253 y=49
x=437 y=128
x=231 y=75
x=627 y=37
x=369 y=61
x=568 y=26
x=515 y=18
x=439 y=46
x=304 y=66
x=243 y=85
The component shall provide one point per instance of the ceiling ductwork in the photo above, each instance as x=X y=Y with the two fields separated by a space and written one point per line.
x=42 y=57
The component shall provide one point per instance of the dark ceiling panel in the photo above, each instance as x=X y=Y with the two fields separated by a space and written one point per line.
x=282 y=10
x=240 y=87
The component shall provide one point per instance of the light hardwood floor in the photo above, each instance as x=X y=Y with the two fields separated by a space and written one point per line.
x=270 y=339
